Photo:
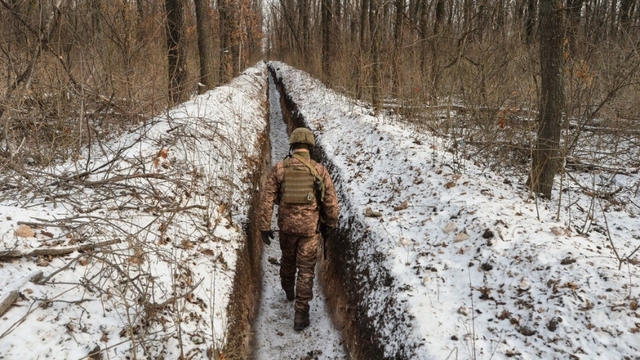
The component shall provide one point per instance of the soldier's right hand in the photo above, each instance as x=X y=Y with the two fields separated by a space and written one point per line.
x=267 y=236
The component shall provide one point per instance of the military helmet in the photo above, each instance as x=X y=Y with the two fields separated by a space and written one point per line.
x=302 y=136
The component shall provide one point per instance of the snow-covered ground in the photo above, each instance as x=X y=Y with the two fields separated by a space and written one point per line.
x=459 y=262
x=275 y=337
x=167 y=203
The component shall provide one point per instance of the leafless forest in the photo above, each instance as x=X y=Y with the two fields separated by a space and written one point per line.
x=512 y=82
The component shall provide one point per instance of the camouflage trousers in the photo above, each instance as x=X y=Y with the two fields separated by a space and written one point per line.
x=298 y=252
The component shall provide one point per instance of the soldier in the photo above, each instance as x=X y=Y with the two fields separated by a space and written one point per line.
x=307 y=204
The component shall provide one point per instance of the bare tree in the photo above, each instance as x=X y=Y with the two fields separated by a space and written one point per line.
x=205 y=45
x=228 y=53
x=574 y=14
x=545 y=162
x=176 y=51
x=375 y=25
x=326 y=39
x=397 y=38
x=530 y=20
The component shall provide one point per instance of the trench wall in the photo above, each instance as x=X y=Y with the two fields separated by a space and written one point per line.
x=344 y=284
x=244 y=301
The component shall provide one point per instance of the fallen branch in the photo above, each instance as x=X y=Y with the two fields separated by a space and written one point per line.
x=56 y=251
x=7 y=300
x=606 y=195
x=577 y=164
x=119 y=178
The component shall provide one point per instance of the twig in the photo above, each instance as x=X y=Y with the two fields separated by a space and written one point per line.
x=613 y=246
x=42 y=281
x=56 y=251
x=473 y=320
x=119 y=178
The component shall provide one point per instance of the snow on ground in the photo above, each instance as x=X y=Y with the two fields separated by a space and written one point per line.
x=478 y=268
x=172 y=194
x=275 y=337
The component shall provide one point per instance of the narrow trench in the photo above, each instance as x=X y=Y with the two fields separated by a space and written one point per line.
x=274 y=334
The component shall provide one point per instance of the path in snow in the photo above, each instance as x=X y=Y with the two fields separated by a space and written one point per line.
x=275 y=337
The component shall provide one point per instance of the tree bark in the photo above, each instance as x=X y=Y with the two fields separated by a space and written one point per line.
x=575 y=10
x=326 y=40
x=176 y=51
x=205 y=46
x=397 y=51
x=626 y=14
x=376 y=80
x=303 y=27
x=530 y=20
x=546 y=160
x=227 y=12
x=360 y=76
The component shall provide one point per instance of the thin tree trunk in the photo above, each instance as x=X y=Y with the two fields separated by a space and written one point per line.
x=376 y=78
x=435 y=71
x=613 y=20
x=545 y=162
x=205 y=46
x=176 y=51
x=303 y=28
x=326 y=40
x=226 y=11
x=625 y=14
x=140 y=10
x=530 y=20
x=575 y=10
x=426 y=50
x=364 y=12
x=397 y=51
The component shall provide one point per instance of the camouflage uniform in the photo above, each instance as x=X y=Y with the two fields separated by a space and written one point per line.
x=298 y=230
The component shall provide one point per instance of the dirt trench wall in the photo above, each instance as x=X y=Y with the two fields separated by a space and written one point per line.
x=247 y=286
x=343 y=283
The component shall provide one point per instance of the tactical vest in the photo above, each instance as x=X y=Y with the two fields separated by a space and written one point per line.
x=298 y=186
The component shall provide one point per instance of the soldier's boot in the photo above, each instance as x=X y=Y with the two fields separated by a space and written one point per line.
x=291 y=295
x=300 y=321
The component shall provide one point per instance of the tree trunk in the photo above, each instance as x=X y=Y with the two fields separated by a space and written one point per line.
x=140 y=10
x=426 y=47
x=96 y=20
x=360 y=76
x=575 y=10
x=205 y=46
x=303 y=28
x=434 y=44
x=613 y=21
x=176 y=51
x=397 y=51
x=326 y=40
x=530 y=20
x=545 y=162
x=376 y=78
x=625 y=14
x=226 y=11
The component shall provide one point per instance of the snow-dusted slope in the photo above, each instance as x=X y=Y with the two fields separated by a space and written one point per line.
x=172 y=198
x=451 y=261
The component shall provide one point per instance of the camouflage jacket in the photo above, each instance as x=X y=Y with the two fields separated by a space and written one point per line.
x=297 y=219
